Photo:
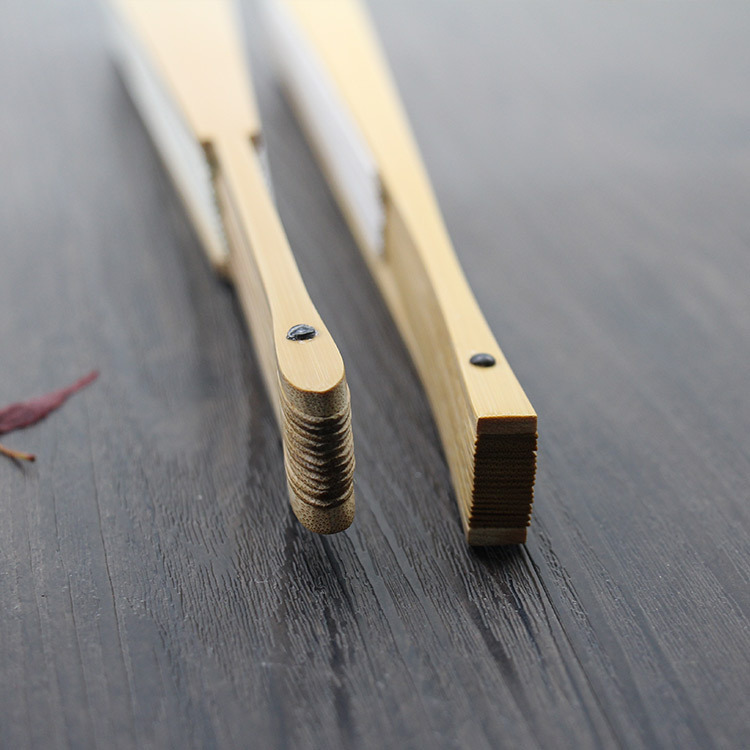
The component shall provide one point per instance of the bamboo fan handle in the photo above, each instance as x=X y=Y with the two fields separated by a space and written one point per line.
x=341 y=89
x=302 y=367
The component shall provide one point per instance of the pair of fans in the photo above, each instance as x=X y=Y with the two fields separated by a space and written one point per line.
x=184 y=68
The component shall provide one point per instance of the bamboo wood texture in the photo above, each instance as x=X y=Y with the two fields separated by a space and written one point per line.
x=195 y=50
x=486 y=422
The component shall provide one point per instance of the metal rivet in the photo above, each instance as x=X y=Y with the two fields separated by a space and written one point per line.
x=482 y=360
x=301 y=332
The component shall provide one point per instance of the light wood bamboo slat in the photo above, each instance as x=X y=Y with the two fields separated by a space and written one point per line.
x=194 y=51
x=487 y=425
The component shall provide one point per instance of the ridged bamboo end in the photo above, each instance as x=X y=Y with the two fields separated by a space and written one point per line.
x=319 y=466
x=503 y=488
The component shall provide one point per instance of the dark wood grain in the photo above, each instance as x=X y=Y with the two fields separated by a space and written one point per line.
x=593 y=164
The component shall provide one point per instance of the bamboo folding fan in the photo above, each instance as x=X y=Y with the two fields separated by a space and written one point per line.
x=341 y=91
x=182 y=64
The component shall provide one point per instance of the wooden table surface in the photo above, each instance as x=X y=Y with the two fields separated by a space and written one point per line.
x=593 y=163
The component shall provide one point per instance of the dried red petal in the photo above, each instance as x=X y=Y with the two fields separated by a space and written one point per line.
x=26 y=413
